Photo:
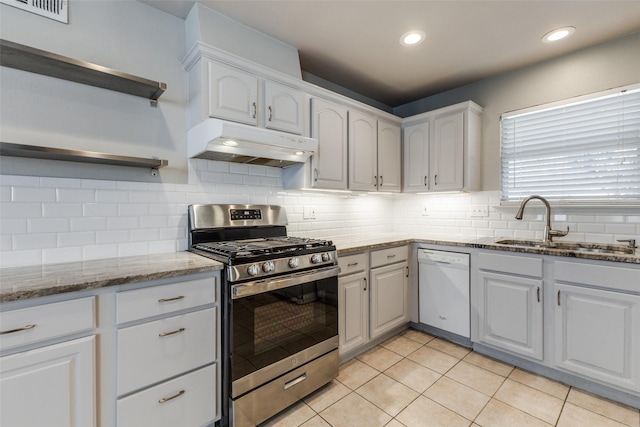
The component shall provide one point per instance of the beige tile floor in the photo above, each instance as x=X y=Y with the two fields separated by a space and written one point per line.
x=414 y=380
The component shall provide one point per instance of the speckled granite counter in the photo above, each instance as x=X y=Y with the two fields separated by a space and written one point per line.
x=19 y=283
x=358 y=243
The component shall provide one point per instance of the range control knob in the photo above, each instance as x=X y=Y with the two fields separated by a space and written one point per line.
x=294 y=262
x=326 y=257
x=268 y=266
x=316 y=258
x=252 y=270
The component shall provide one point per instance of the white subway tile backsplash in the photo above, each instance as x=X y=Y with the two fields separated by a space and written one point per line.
x=88 y=223
x=23 y=242
x=76 y=238
x=20 y=210
x=48 y=225
x=75 y=195
x=93 y=219
x=116 y=236
x=61 y=210
x=123 y=223
x=9 y=226
x=31 y=194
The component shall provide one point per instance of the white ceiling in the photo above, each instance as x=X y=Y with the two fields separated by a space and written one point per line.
x=355 y=43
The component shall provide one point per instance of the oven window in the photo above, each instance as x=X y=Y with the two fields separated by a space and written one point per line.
x=274 y=325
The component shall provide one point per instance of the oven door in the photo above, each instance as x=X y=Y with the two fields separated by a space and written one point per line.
x=278 y=324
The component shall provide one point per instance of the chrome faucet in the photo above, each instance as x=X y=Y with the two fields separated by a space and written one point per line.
x=549 y=234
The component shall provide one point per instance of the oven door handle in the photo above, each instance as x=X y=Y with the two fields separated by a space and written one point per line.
x=261 y=286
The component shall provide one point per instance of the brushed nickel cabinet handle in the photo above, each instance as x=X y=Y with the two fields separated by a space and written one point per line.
x=315 y=174
x=381 y=181
x=352 y=264
x=166 y=334
x=365 y=284
x=558 y=297
x=166 y=399
x=270 y=113
x=171 y=299
x=435 y=179
x=426 y=183
x=538 y=292
x=375 y=178
x=391 y=256
x=255 y=110
x=24 y=328
x=407 y=271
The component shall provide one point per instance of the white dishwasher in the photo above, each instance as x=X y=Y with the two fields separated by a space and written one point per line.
x=444 y=290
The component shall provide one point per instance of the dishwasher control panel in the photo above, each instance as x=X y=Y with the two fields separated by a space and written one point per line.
x=443 y=257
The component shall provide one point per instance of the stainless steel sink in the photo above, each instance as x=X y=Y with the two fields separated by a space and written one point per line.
x=571 y=246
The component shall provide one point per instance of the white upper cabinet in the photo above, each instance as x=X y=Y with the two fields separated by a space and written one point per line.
x=283 y=108
x=233 y=94
x=416 y=157
x=447 y=160
x=442 y=149
x=389 y=162
x=374 y=154
x=329 y=125
x=363 y=154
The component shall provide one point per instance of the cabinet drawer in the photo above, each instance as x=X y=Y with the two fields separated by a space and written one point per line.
x=157 y=300
x=388 y=256
x=520 y=265
x=43 y=322
x=189 y=400
x=352 y=263
x=155 y=351
x=618 y=278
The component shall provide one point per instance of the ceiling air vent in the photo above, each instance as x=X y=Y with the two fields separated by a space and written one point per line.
x=54 y=9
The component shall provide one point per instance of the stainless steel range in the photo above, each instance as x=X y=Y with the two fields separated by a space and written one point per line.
x=279 y=308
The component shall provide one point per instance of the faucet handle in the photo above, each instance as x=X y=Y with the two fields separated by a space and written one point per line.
x=558 y=233
x=631 y=242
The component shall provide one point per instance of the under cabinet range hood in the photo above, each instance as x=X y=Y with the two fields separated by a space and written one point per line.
x=215 y=139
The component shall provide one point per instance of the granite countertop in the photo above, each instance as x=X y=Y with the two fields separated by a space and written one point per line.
x=358 y=243
x=18 y=283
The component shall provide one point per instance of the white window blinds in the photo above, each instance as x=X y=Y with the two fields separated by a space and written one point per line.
x=586 y=150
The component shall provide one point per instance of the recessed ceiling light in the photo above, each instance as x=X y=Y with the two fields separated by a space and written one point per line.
x=230 y=143
x=412 y=38
x=558 y=34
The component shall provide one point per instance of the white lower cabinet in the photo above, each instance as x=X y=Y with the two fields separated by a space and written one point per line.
x=353 y=302
x=185 y=401
x=167 y=373
x=597 y=331
x=51 y=386
x=389 y=290
x=509 y=303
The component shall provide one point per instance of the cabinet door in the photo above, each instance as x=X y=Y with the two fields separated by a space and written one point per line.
x=354 y=313
x=329 y=164
x=50 y=386
x=447 y=152
x=389 y=293
x=283 y=108
x=363 y=160
x=233 y=94
x=597 y=334
x=389 y=149
x=510 y=313
x=416 y=157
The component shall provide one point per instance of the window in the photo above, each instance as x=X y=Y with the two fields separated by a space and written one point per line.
x=584 y=150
